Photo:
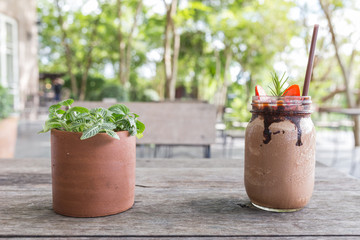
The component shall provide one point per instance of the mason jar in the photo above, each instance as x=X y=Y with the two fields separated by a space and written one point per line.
x=280 y=153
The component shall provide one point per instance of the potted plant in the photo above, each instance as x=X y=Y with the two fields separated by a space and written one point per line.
x=8 y=125
x=93 y=154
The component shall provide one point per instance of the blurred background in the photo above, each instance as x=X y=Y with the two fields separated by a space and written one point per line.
x=211 y=51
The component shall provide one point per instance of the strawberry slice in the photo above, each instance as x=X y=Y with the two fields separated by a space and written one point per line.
x=259 y=91
x=293 y=90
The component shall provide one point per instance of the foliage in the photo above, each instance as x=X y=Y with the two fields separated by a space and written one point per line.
x=254 y=31
x=5 y=102
x=91 y=122
x=80 y=26
x=238 y=102
x=278 y=84
x=113 y=90
x=94 y=86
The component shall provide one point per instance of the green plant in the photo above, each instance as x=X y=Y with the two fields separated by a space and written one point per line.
x=93 y=121
x=5 y=102
x=278 y=84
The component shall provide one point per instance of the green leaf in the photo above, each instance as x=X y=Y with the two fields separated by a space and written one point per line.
x=132 y=131
x=52 y=121
x=278 y=84
x=54 y=125
x=108 y=126
x=119 y=109
x=82 y=117
x=90 y=132
x=79 y=109
x=77 y=126
x=117 y=116
x=112 y=134
x=139 y=135
x=123 y=124
x=132 y=122
x=72 y=115
x=45 y=129
x=50 y=124
x=103 y=112
x=60 y=111
x=140 y=126
x=54 y=107
x=93 y=121
x=66 y=103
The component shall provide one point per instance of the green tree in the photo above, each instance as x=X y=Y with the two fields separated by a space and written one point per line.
x=78 y=43
x=251 y=33
x=125 y=42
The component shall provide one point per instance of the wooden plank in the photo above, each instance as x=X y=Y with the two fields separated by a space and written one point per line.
x=207 y=237
x=34 y=164
x=32 y=170
x=183 y=212
x=190 y=178
x=167 y=123
x=176 y=200
x=43 y=165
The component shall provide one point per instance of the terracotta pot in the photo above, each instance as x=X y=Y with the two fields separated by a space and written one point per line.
x=93 y=177
x=8 y=135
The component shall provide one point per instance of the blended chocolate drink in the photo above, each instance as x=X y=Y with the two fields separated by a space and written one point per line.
x=280 y=153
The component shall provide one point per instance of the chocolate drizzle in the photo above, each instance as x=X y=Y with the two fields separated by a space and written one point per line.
x=278 y=109
x=296 y=121
x=270 y=119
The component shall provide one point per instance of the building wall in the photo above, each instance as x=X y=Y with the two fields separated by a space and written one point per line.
x=24 y=13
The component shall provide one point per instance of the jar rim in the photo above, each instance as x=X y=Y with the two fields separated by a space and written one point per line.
x=272 y=98
x=283 y=105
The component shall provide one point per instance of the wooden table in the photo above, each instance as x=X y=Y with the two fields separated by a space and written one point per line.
x=179 y=198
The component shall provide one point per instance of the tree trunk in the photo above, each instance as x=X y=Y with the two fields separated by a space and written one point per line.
x=345 y=74
x=126 y=47
x=356 y=130
x=68 y=53
x=218 y=80
x=129 y=45
x=170 y=61
x=88 y=59
x=167 y=54
x=195 y=83
x=175 y=57
x=226 y=83
x=121 y=46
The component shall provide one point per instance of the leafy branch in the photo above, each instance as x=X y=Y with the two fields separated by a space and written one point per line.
x=93 y=121
x=278 y=84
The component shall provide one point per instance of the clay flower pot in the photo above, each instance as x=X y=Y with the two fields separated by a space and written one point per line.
x=8 y=135
x=93 y=177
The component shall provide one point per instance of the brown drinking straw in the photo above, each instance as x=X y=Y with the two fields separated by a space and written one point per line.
x=310 y=64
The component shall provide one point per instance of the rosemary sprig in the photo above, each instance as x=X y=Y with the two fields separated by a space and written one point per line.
x=278 y=84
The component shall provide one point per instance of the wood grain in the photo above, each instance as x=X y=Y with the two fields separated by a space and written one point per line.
x=179 y=198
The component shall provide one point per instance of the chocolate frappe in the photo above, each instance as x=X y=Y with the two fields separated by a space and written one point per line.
x=280 y=153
